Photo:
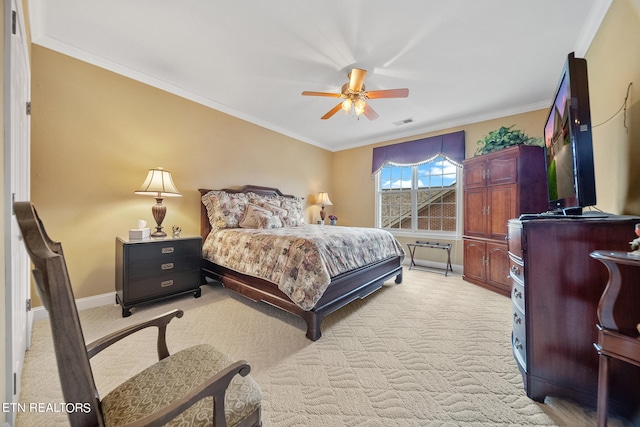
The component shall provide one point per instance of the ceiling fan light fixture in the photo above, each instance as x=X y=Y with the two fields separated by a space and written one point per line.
x=354 y=94
x=359 y=106
x=353 y=106
x=346 y=105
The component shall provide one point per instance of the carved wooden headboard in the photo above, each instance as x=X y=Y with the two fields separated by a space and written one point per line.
x=205 y=226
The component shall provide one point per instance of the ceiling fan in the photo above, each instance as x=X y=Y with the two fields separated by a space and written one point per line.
x=354 y=96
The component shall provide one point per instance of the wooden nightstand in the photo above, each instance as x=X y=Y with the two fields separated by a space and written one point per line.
x=151 y=270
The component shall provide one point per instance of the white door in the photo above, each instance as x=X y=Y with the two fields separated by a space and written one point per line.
x=17 y=174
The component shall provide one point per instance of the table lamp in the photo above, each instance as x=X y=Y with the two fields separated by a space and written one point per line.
x=323 y=200
x=159 y=184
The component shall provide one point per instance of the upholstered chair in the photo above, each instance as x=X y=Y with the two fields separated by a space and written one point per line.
x=196 y=386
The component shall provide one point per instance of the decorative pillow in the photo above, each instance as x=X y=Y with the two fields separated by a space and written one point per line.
x=225 y=210
x=276 y=210
x=295 y=212
x=259 y=200
x=259 y=217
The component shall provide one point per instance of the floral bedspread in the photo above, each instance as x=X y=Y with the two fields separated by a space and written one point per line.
x=300 y=260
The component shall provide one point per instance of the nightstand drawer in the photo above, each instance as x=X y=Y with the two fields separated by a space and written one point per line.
x=163 y=249
x=155 y=267
x=149 y=288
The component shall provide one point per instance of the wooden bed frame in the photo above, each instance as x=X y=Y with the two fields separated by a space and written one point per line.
x=343 y=288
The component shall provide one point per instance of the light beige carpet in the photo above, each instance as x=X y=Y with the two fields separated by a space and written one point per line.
x=432 y=351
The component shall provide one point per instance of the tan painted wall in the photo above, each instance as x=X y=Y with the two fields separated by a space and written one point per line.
x=94 y=136
x=613 y=63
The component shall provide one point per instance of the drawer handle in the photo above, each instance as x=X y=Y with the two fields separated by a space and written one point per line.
x=515 y=270
x=166 y=283
x=517 y=344
x=516 y=319
x=168 y=250
x=167 y=266
x=517 y=293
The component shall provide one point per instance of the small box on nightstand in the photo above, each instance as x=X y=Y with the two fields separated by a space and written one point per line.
x=139 y=233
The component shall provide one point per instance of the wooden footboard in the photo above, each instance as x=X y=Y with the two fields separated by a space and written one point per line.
x=342 y=290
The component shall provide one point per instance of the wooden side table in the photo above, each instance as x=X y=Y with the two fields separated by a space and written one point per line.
x=618 y=341
x=151 y=270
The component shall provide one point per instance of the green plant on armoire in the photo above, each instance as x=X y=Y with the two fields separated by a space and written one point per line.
x=503 y=138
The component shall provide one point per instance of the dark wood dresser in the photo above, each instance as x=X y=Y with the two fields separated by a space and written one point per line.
x=556 y=290
x=151 y=270
x=498 y=186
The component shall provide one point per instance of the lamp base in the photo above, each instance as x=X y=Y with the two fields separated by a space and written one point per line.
x=158 y=234
x=158 y=210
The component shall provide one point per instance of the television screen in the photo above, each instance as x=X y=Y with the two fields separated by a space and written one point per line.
x=568 y=144
x=559 y=150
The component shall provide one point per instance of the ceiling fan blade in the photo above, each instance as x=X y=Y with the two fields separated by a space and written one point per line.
x=332 y=112
x=369 y=113
x=332 y=95
x=389 y=93
x=356 y=79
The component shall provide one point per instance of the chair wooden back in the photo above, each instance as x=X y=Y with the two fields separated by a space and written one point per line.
x=54 y=288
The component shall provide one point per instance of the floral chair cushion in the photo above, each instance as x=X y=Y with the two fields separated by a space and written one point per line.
x=167 y=380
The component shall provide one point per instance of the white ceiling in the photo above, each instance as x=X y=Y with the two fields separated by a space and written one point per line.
x=462 y=60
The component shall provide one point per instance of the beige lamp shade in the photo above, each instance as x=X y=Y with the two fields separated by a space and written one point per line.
x=159 y=184
x=323 y=199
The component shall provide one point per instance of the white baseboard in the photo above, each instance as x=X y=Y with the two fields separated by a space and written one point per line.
x=82 y=304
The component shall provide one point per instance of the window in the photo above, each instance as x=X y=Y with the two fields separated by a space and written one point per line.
x=421 y=198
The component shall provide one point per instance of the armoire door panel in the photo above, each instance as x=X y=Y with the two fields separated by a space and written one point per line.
x=503 y=207
x=474 y=259
x=502 y=171
x=475 y=218
x=498 y=266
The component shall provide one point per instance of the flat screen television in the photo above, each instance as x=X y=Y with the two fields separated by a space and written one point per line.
x=568 y=144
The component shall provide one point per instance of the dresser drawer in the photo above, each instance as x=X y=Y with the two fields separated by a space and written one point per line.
x=517 y=295
x=518 y=321
x=519 y=336
x=160 y=286
x=516 y=268
x=159 y=266
x=515 y=237
x=519 y=350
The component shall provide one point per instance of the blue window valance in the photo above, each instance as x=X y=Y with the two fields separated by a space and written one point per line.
x=450 y=145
